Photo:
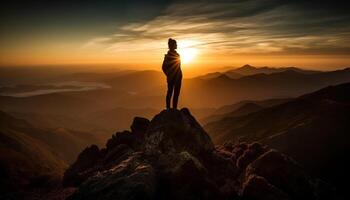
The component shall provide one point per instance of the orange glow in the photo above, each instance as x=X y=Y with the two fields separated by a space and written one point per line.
x=197 y=57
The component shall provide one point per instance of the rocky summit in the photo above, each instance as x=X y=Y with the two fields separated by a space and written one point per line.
x=172 y=157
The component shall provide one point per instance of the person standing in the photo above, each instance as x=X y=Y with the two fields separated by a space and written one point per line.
x=172 y=69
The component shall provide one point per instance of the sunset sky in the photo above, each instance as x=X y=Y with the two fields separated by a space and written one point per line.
x=210 y=34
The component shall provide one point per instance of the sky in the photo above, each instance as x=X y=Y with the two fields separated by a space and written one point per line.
x=210 y=34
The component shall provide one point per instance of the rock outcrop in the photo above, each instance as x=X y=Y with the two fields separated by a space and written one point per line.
x=118 y=148
x=176 y=131
x=172 y=157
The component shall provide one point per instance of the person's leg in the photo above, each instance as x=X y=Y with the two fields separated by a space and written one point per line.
x=176 y=93
x=169 y=93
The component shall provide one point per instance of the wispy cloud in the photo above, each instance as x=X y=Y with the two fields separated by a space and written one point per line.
x=238 y=27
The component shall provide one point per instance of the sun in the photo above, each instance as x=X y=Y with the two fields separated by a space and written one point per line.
x=187 y=54
x=187 y=49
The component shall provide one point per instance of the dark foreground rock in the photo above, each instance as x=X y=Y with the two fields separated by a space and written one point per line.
x=172 y=157
x=176 y=131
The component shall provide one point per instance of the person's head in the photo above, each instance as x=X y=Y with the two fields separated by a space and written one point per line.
x=172 y=44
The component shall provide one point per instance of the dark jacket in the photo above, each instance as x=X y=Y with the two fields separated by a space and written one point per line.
x=172 y=66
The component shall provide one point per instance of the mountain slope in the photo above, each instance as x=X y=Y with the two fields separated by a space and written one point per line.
x=241 y=108
x=57 y=139
x=295 y=111
x=313 y=126
x=24 y=160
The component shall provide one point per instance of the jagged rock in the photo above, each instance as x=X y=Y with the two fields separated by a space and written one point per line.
x=243 y=145
x=117 y=154
x=139 y=127
x=224 y=153
x=182 y=176
x=177 y=160
x=215 y=162
x=86 y=160
x=176 y=131
x=133 y=138
x=284 y=173
x=258 y=188
x=228 y=146
x=222 y=171
x=256 y=147
x=132 y=179
x=173 y=163
x=124 y=137
x=252 y=152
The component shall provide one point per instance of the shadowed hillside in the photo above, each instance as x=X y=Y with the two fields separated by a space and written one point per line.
x=58 y=139
x=311 y=126
x=25 y=160
x=33 y=157
x=241 y=108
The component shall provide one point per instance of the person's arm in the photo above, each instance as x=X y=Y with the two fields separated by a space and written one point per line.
x=165 y=65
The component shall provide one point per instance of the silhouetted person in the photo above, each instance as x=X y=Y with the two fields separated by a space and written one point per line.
x=172 y=69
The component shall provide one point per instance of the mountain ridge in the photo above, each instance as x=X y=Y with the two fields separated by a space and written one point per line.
x=250 y=70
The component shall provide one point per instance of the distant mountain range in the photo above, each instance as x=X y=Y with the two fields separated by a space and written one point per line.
x=137 y=92
x=225 y=90
x=251 y=70
x=314 y=129
x=247 y=70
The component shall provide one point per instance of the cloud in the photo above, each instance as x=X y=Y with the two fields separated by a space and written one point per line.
x=239 y=27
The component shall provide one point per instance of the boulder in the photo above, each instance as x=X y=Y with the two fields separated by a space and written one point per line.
x=252 y=152
x=139 y=127
x=258 y=188
x=182 y=176
x=219 y=166
x=81 y=168
x=134 y=138
x=284 y=173
x=222 y=171
x=176 y=131
x=124 y=137
x=132 y=179
x=117 y=154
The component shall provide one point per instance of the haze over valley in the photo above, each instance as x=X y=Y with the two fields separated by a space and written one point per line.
x=105 y=102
